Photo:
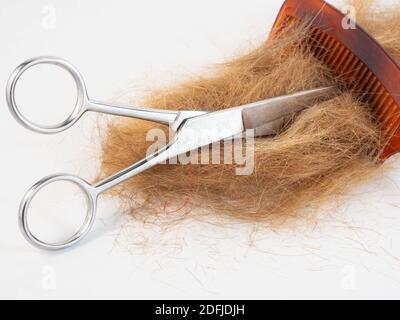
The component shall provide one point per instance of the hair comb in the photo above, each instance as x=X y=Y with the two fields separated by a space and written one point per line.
x=355 y=56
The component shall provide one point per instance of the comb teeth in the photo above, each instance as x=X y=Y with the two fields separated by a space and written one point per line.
x=353 y=56
x=358 y=78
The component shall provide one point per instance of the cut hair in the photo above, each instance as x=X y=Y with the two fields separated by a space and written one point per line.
x=318 y=155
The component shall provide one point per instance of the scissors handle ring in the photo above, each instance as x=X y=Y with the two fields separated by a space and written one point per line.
x=90 y=195
x=80 y=104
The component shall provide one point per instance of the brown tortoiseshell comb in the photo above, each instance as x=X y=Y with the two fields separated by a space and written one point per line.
x=354 y=56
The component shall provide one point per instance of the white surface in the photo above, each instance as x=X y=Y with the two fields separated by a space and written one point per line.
x=355 y=254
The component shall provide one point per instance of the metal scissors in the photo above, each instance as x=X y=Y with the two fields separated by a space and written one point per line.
x=192 y=130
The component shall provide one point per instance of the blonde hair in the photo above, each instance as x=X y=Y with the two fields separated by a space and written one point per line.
x=317 y=156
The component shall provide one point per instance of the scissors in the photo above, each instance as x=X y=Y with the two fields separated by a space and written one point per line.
x=191 y=130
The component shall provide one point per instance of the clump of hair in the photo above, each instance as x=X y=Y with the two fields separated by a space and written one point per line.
x=317 y=156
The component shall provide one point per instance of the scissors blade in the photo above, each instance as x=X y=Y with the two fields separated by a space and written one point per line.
x=263 y=116
x=267 y=116
x=207 y=129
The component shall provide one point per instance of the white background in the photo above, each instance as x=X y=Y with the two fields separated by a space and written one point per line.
x=124 y=48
